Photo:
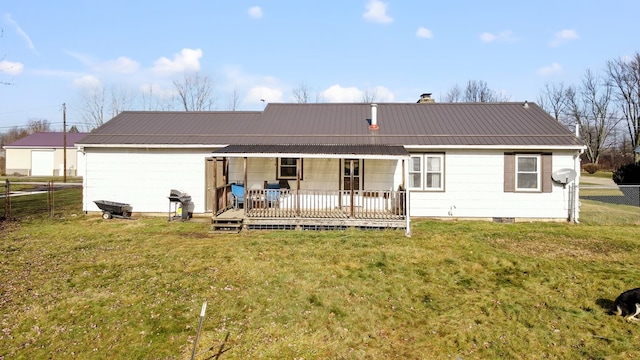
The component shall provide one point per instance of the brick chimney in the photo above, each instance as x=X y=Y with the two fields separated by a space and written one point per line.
x=426 y=99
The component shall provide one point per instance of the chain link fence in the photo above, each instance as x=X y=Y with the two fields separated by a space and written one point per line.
x=39 y=199
x=619 y=195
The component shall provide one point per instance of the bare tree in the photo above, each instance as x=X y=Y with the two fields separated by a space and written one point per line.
x=195 y=92
x=369 y=95
x=234 y=101
x=99 y=104
x=38 y=125
x=454 y=94
x=624 y=76
x=93 y=104
x=121 y=99
x=301 y=93
x=589 y=107
x=475 y=91
x=553 y=99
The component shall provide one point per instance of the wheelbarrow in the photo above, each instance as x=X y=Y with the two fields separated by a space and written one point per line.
x=112 y=209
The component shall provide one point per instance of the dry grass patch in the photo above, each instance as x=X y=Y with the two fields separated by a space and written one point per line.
x=86 y=288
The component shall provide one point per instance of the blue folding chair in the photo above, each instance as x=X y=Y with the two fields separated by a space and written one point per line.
x=237 y=191
x=272 y=195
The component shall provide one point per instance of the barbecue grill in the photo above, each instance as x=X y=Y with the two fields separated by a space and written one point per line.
x=180 y=205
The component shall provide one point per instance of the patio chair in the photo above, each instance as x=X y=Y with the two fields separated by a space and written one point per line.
x=272 y=195
x=237 y=191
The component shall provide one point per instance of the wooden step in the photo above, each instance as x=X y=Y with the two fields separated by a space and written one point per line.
x=226 y=225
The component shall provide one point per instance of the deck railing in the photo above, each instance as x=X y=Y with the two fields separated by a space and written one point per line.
x=345 y=204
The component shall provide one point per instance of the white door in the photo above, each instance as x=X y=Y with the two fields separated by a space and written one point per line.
x=41 y=163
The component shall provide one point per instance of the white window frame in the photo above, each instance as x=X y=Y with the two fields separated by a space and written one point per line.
x=279 y=169
x=419 y=171
x=425 y=172
x=537 y=172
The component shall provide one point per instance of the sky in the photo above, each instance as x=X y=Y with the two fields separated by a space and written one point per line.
x=52 y=52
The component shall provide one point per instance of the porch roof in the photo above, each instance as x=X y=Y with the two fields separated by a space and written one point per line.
x=315 y=151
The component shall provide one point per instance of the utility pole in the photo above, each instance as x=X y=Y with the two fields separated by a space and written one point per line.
x=64 y=140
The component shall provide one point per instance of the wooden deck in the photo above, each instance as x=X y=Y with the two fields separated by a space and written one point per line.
x=317 y=210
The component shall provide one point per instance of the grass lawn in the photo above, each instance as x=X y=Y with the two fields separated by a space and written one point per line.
x=81 y=287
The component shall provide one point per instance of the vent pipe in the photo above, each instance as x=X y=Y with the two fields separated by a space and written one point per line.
x=374 y=117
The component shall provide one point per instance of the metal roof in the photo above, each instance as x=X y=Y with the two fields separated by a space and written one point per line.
x=320 y=151
x=513 y=124
x=47 y=139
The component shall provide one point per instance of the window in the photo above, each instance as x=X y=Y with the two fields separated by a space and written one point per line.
x=288 y=168
x=434 y=172
x=527 y=172
x=351 y=179
x=428 y=167
x=415 y=172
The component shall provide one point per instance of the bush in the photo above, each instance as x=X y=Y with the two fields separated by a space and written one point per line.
x=627 y=174
x=591 y=168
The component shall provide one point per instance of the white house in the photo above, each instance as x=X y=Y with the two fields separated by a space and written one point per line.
x=43 y=154
x=373 y=165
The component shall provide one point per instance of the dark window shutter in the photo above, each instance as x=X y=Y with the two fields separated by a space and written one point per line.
x=547 y=168
x=509 y=172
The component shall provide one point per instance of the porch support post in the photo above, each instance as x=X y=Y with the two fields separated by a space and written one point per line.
x=298 y=170
x=351 y=194
x=225 y=181
x=244 y=165
x=407 y=204
x=215 y=187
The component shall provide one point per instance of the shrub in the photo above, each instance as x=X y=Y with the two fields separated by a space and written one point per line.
x=591 y=168
x=627 y=174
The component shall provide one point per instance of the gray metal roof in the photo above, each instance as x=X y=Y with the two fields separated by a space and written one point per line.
x=294 y=150
x=402 y=124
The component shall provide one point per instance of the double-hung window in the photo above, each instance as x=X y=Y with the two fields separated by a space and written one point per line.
x=426 y=172
x=527 y=172
x=288 y=168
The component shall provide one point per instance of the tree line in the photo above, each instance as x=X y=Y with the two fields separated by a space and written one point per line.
x=605 y=106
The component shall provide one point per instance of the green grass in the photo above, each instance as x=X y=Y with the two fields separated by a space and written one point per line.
x=599 y=174
x=80 y=287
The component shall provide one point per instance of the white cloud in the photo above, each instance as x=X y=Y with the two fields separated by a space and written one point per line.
x=553 y=69
x=11 y=68
x=377 y=12
x=121 y=65
x=21 y=32
x=563 y=37
x=256 y=94
x=503 y=36
x=337 y=93
x=186 y=60
x=87 y=82
x=423 y=32
x=383 y=94
x=255 y=12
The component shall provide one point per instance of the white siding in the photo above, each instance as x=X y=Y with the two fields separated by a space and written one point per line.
x=474 y=188
x=143 y=178
x=318 y=174
x=473 y=182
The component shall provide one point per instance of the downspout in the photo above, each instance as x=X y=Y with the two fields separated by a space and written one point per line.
x=576 y=184
x=576 y=187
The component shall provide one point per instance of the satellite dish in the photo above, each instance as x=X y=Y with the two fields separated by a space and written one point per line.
x=563 y=176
